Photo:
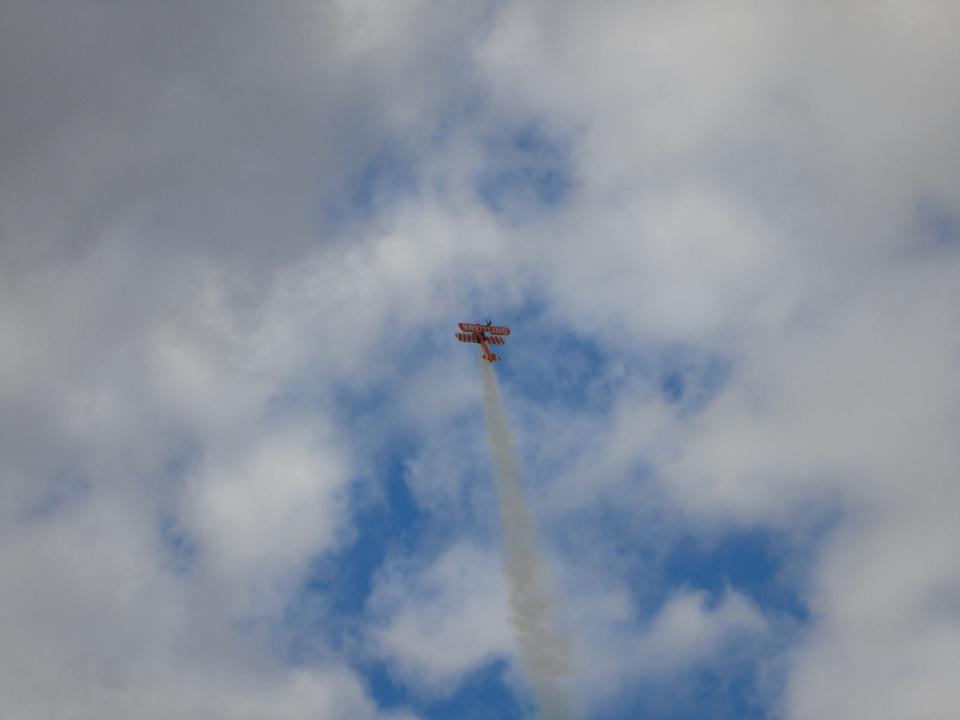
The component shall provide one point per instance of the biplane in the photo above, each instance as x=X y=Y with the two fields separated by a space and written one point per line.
x=483 y=335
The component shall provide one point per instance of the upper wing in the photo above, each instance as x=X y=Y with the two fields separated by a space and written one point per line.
x=492 y=329
x=466 y=337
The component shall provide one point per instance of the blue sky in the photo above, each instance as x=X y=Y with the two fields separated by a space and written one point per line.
x=567 y=375
x=244 y=464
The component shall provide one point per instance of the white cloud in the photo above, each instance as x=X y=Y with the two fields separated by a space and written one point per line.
x=163 y=291
x=853 y=403
x=614 y=652
x=685 y=630
x=750 y=182
x=260 y=512
x=439 y=623
x=93 y=626
x=887 y=635
x=747 y=182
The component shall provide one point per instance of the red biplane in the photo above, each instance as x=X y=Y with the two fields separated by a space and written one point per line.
x=483 y=335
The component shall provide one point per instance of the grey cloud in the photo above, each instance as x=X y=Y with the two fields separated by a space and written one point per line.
x=167 y=268
x=752 y=183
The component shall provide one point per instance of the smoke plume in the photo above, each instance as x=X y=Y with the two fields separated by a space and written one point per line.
x=542 y=654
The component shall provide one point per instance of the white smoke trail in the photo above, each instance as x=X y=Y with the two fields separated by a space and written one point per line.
x=542 y=654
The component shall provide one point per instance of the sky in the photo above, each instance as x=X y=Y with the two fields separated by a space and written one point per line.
x=243 y=463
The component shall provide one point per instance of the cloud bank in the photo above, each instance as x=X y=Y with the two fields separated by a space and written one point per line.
x=233 y=243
